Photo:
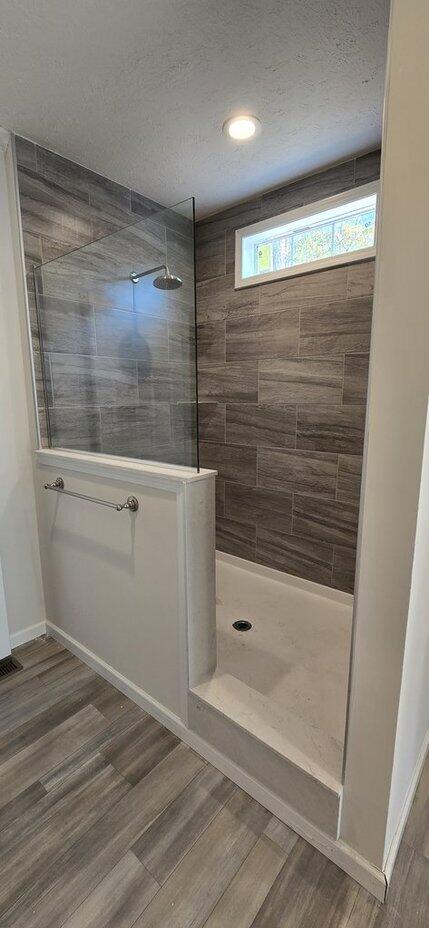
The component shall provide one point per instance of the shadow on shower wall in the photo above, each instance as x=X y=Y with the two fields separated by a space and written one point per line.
x=119 y=355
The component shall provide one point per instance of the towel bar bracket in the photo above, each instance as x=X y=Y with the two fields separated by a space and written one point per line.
x=59 y=487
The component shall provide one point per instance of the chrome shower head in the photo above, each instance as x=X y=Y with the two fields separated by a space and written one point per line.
x=165 y=281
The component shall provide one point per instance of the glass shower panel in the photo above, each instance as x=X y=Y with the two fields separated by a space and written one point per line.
x=116 y=325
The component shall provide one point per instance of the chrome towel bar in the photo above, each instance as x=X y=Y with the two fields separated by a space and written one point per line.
x=58 y=485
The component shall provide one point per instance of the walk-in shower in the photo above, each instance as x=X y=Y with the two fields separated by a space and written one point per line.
x=116 y=321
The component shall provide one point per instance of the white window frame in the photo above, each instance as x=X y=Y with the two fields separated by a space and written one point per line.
x=341 y=199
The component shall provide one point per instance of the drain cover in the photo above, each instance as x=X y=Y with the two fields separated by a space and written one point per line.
x=9 y=665
x=242 y=625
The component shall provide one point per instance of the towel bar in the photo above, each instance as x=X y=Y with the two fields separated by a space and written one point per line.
x=58 y=486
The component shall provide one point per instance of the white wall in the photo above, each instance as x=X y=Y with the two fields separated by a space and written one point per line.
x=128 y=587
x=413 y=717
x=19 y=547
x=398 y=396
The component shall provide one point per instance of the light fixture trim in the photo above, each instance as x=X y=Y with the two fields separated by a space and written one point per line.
x=242 y=127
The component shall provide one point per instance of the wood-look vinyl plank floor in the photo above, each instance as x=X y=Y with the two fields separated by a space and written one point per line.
x=108 y=821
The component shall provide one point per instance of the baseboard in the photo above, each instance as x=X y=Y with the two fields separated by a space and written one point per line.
x=27 y=634
x=394 y=847
x=343 y=856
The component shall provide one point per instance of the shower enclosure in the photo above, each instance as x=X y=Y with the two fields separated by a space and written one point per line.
x=116 y=324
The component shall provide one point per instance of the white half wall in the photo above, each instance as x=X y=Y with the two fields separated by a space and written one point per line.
x=396 y=420
x=19 y=546
x=137 y=590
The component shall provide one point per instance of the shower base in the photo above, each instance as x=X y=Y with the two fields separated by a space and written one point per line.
x=282 y=683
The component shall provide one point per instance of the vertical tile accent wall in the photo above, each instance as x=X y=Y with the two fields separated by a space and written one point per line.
x=282 y=380
x=119 y=362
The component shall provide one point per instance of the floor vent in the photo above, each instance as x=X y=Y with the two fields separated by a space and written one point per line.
x=9 y=665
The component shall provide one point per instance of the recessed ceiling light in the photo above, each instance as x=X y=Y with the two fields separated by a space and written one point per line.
x=241 y=128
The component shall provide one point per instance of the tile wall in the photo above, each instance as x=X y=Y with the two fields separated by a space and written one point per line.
x=282 y=381
x=118 y=358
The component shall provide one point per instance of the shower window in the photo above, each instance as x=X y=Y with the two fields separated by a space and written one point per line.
x=334 y=231
x=116 y=325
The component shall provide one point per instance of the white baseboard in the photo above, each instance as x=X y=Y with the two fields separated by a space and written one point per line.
x=394 y=847
x=341 y=854
x=27 y=634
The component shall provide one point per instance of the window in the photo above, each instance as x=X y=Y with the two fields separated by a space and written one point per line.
x=333 y=231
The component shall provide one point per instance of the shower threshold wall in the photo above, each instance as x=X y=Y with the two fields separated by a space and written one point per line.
x=285 y=680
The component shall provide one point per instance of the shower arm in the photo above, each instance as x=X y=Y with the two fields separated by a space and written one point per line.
x=135 y=277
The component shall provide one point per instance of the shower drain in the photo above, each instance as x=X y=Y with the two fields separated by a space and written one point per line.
x=242 y=625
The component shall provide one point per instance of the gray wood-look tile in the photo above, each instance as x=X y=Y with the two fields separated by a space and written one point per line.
x=217 y=299
x=181 y=342
x=79 y=870
x=47 y=209
x=360 y=279
x=211 y=343
x=310 y=472
x=310 y=188
x=66 y=846
x=236 y=538
x=130 y=335
x=25 y=152
x=65 y=173
x=309 y=892
x=145 y=207
x=220 y=497
x=140 y=748
x=267 y=335
x=32 y=697
x=247 y=890
x=118 y=899
x=367 y=167
x=235 y=382
x=257 y=425
x=71 y=429
x=173 y=833
x=231 y=218
x=166 y=381
x=301 y=380
x=183 y=417
x=355 y=378
x=302 y=557
x=80 y=380
x=305 y=290
x=335 y=328
x=233 y=462
x=20 y=771
x=131 y=430
x=212 y=422
x=331 y=428
x=63 y=817
x=349 y=477
x=281 y=834
x=67 y=325
x=325 y=520
x=208 y=868
x=210 y=257
x=269 y=509
x=343 y=569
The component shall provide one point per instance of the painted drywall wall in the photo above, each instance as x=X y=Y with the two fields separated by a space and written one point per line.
x=398 y=396
x=413 y=716
x=282 y=378
x=19 y=547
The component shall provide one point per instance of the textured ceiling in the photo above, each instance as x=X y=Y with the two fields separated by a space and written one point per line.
x=138 y=89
